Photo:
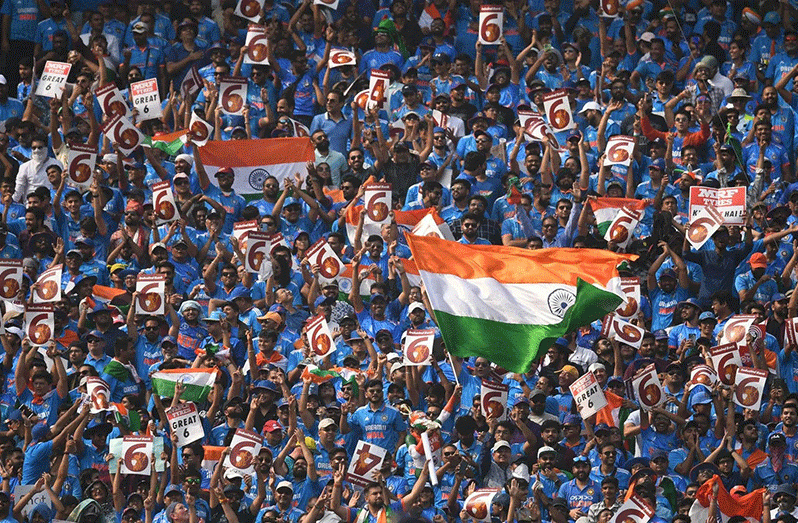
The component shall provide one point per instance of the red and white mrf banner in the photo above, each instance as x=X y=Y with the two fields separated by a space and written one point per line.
x=703 y=375
x=648 y=388
x=341 y=57
x=480 y=503
x=53 y=80
x=623 y=331
x=729 y=202
x=493 y=400
x=609 y=8
x=378 y=89
x=191 y=83
x=241 y=231
x=706 y=221
x=99 y=393
x=249 y=9
x=111 y=101
x=791 y=333
x=631 y=288
x=151 y=289
x=491 y=21
x=122 y=131
x=634 y=510
x=10 y=279
x=39 y=323
x=365 y=463
x=332 y=4
x=378 y=203
x=736 y=328
x=146 y=99
x=164 y=203
x=588 y=395
x=81 y=161
x=726 y=360
x=48 y=286
x=257 y=45
x=243 y=449
x=749 y=386
x=319 y=336
x=199 y=130
x=257 y=249
x=417 y=348
x=330 y=265
x=619 y=150
x=232 y=95
x=558 y=111
x=137 y=455
x=622 y=228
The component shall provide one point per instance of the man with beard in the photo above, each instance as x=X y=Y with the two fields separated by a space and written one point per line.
x=148 y=346
x=671 y=288
x=303 y=476
x=537 y=408
x=460 y=107
x=763 y=139
x=550 y=435
x=580 y=492
x=356 y=168
x=383 y=53
x=682 y=337
x=461 y=191
x=324 y=154
x=776 y=469
x=225 y=194
x=233 y=420
x=376 y=422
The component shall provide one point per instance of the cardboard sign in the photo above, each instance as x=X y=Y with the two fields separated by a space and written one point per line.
x=623 y=331
x=185 y=423
x=199 y=130
x=242 y=230
x=39 y=323
x=491 y=21
x=365 y=464
x=191 y=83
x=749 y=386
x=537 y=129
x=40 y=497
x=729 y=202
x=417 y=348
x=433 y=447
x=164 y=203
x=137 y=455
x=493 y=400
x=321 y=254
x=736 y=328
x=726 y=359
x=791 y=332
x=479 y=504
x=151 y=289
x=703 y=375
x=232 y=95
x=320 y=336
x=258 y=247
x=53 y=80
x=378 y=89
x=440 y=119
x=609 y=8
x=631 y=288
x=10 y=279
x=80 y=165
x=111 y=101
x=622 y=228
x=648 y=388
x=588 y=395
x=634 y=510
x=244 y=447
x=703 y=226
x=257 y=45
x=378 y=203
x=99 y=393
x=249 y=9
x=558 y=111
x=122 y=131
x=524 y=115
x=146 y=98
x=332 y=4
x=48 y=286
x=619 y=150
x=341 y=57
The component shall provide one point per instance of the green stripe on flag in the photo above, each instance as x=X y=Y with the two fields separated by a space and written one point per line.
x=192 y=392
x=170 y=148
x=515 y=346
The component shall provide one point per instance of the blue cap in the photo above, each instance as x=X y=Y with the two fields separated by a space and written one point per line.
x=216 y=315
x=168 y=339
x=238 y=292
x=172 y=488
x=572 y=419
x=659 y=163
x=100 y=307
x=778 y=297
x=128 y=272
x=709 y=315
x=323 y=300
x=266 y=385
x=614 y=378
x=689 y=301
x=701 y=398
x=291 y=201
x=354 y=337
x=657 y=453
x=14 y=415
x=570 y=85
x=438 y=130
x=95 y=334
x=601 y=427
x=377 y=296
x=85 y=241
x=660 y=334
x=772 y=17
x=39 y=431
x=628 y=464
x=668 y=273
x=562 y=342
x=574 y=134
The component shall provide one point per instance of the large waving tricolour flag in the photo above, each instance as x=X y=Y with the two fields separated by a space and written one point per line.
x=508 y=304
x=254 y=160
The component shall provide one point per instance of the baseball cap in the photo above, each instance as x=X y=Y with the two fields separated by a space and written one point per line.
x=668 y=273
x=659 y=163
x=273 y=426
x=758 y=261
x=590 y=106
x=546 y=449
x=499 y=445
x=771 y=17
x=569 y=369
x=708 y=315
x=285 y=484
x=140 y=27
x=327 y=422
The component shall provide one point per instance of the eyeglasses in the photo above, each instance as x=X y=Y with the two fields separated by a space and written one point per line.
x=228 y=274
x=193 y=481
x=150 y=328
x=468 y=225
x=93 y=340
x=483 y=141
x=483 y=364
x=680 y=119
x=356 y=157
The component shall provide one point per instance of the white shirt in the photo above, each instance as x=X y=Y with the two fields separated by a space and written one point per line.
x=30 y=178
x=722 y=83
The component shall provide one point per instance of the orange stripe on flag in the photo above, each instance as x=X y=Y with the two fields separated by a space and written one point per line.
x=749 y=506
x=170 y=137
x=511 y=265
x=246 y=153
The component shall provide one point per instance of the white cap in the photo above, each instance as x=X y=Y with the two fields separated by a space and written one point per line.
x=393 y=356
x=3 y=80
x=110 y=158
x=416 y=305
x=647 y=36
x=326 y=422
x=185 y=157
x=499 y=444
x=590 y=106
x=521 y=472
x=545 y=449
x=231 y=474
x=285 y=484
x=596 y=366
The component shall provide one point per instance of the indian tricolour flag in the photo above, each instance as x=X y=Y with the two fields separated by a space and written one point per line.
x=749 y=506
x=508 y=304
x=606 y=209
x=197 y=382
x=254 y=160
x=405 y=221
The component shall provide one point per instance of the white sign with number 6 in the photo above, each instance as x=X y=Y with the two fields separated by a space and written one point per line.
x=491 y=20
